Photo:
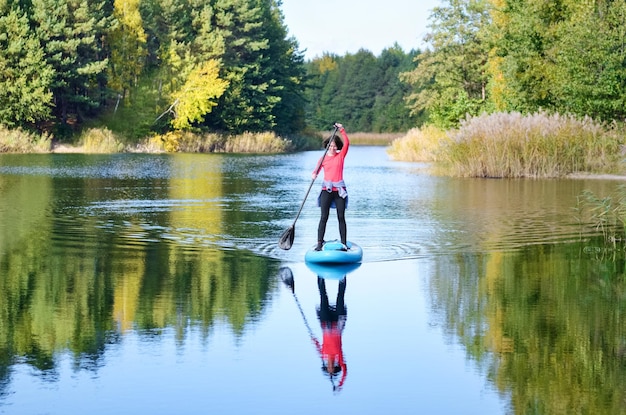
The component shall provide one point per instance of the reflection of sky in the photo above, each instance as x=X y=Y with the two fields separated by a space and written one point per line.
x=398 y=361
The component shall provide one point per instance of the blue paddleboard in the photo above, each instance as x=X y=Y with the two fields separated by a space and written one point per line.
x=332 y=253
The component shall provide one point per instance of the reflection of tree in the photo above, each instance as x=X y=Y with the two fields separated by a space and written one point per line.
x=82 y=294
x=49 y=307
x=547 y=323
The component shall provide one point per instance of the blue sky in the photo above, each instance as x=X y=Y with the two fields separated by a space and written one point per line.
x=345 y=26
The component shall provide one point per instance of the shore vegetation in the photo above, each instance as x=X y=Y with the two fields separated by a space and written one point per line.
x=512 y=145
x=20 y=141
x=102 y=140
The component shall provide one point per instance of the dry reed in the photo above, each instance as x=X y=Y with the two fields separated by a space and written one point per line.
x=188 y=142
x=267 y=142
x=418 y=145
x=20 y=141
x=537 y=145
x=101 y=141
x=372 y=139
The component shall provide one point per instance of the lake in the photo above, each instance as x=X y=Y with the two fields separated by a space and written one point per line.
x=153 y=284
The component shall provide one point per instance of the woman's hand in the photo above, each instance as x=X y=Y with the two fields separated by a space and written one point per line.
x=340 y=126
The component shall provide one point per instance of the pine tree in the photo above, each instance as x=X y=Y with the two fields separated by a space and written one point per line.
x=25 y=77
x=71 y=32
x=390 y=112
x=264 y=70
x=322 y=73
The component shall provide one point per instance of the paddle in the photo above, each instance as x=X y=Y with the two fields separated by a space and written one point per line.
x=286 y=277
x=286 y=239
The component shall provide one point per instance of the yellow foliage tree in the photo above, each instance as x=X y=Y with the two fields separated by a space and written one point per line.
x=197 y=96
x=326 y=63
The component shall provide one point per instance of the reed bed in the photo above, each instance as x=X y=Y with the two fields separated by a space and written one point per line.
x=100 y=141
x=370 y=139
x=606 y=215
x=537 y=145
x=20 y=141
x=188 y=142
x=257 y=143
x=419 y=145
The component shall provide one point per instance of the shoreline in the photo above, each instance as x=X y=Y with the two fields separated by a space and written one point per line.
x=64 y=148
x=69 y=149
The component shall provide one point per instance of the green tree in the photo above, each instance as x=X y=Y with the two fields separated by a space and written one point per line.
x=452 y=73
x=390 y=112
x=25 y=77
x=589 y=55
x=361 y=90
x=287 y=72
x=523 y=33
x=164 y=22
x=169 y=55
x=262 y=67
x=566 y=56
x=72 y=33
x=359 y=77
x=322 y=82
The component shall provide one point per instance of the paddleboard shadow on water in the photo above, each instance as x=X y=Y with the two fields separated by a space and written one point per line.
x=332 y=271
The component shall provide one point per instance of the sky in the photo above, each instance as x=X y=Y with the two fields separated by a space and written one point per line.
x=345 y=26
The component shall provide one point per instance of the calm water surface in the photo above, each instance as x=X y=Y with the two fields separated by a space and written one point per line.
x=153 y=284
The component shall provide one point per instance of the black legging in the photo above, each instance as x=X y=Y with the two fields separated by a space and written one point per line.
x=326 y=313
x=326 y=199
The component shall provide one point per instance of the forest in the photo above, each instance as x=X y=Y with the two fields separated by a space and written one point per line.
x=565 y=56
x=152 y=66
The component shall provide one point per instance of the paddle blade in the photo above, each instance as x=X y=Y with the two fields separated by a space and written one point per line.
x=287 y=277
x=286 y=239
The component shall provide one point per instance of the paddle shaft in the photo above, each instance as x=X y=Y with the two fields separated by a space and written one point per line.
x=316 y=173
x=295 y=297
x=311 y=335
x=306 y=323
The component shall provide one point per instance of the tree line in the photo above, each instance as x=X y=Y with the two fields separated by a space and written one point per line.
x=524 y=56
x=361 y=90
x=224 y=64
x=230 y=66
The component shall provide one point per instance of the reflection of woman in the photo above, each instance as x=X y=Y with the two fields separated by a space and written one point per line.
x=332 y=320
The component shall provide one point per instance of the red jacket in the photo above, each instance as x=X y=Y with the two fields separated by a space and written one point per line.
x=333 y=165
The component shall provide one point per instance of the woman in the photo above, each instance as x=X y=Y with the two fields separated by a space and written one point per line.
x=334 y=193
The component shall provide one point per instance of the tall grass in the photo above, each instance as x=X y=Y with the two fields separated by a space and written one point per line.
x=100 y=140
x=537 y=145
x=257 y=143
x=606 y=215
x=418 y=145
x=187 y=142
x=372 y=139
x=20 y=141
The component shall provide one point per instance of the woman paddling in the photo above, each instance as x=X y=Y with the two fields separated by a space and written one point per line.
x=334 y=193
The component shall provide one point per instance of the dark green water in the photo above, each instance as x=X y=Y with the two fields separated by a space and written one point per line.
x=152 y=284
